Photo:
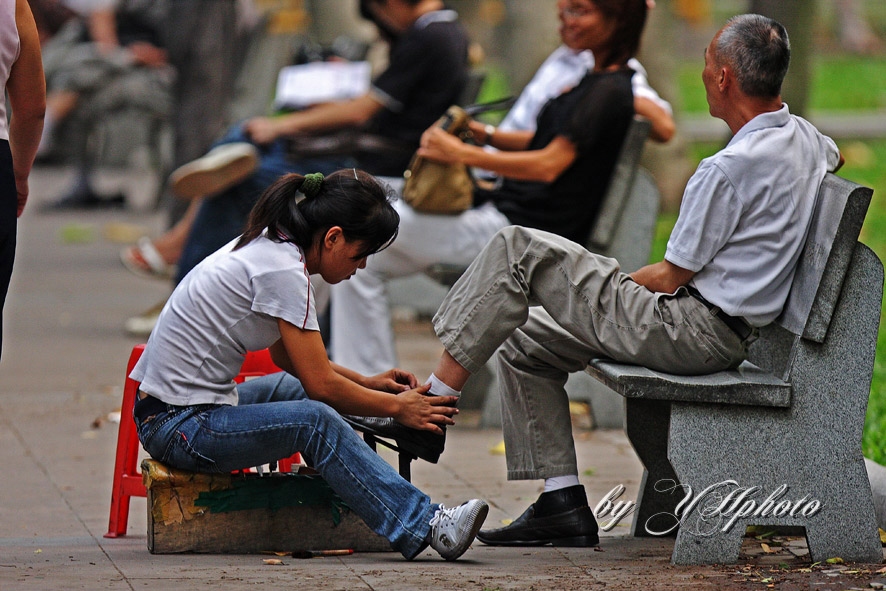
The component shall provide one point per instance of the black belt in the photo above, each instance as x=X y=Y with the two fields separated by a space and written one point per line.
x=147 y=406
x=738 y=325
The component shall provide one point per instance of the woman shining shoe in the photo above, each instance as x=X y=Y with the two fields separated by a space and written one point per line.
x=256 y=293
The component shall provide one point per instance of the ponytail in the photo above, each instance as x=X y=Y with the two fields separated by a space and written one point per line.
x=298 y=208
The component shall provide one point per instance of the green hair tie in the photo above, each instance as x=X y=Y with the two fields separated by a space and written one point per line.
x=310 y=187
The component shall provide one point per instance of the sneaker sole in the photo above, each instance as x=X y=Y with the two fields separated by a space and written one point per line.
x=478 y=515
x=198 y=180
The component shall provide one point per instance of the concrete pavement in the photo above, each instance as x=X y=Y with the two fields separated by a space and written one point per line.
x=62 y=373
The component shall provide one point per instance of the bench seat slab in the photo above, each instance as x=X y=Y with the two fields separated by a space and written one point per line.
x=747 y=384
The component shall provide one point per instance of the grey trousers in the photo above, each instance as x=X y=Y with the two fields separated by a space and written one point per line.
x=553 y=306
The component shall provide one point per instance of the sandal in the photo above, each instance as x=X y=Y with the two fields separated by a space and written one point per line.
x=143 y=260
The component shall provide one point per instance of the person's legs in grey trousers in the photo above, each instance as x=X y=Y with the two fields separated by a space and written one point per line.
x=593 y=310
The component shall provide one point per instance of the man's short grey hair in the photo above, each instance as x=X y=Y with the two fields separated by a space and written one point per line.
x=758 y=50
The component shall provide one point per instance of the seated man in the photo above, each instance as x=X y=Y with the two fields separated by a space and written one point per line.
x=426 y=74
x=744 y=220
x=558 y=190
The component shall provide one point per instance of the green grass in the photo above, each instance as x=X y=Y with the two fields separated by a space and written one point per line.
x=840 y=83
x=866 y=165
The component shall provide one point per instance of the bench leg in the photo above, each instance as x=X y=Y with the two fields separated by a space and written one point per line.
x=699 y=542
x=847 y=529
x=648 y=422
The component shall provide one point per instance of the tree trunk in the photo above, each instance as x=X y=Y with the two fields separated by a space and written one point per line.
x=668 y=163
x=798 y=17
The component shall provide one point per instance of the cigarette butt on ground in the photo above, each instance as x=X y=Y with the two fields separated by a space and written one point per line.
x=317 y=553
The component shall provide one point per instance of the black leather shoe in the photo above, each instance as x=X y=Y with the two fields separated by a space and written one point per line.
x=422 y=444
x=560 y=518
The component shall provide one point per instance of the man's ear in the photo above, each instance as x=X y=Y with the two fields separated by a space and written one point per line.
x=724 y=79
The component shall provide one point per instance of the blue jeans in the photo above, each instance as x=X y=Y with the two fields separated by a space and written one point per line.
x=273 y=420
x=222 y=217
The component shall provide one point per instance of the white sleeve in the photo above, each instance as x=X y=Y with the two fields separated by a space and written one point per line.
x=287 y=295
x=640 y=85
x=709 y=214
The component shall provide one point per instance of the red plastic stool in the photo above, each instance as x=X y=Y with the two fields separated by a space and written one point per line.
x=127 y=478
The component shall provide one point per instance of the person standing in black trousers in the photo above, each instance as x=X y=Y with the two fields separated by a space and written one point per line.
x=21 y=73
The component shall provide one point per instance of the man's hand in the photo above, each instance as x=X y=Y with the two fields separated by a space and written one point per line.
x=427 y=413
x=438 y=145
x=262 y=130
x=394 y=380
x=662 y=277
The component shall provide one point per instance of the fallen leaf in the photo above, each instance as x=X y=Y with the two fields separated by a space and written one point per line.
x=834 y=560
x=507 y=521
x=122 y=233
x=767 y=549
x=498 y=450
x=76 y=234
x=882 y=536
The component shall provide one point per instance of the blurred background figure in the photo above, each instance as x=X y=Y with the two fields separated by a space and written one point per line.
x=21 y=73
x=107 y=56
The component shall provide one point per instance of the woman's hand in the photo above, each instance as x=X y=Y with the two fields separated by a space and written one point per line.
x=394 y=380
x=438 y=145
x=419 y=411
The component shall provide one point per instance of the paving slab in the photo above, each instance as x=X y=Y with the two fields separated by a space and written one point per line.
x=62 y=373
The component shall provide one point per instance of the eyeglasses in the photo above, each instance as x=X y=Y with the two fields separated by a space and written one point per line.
x=572 y=12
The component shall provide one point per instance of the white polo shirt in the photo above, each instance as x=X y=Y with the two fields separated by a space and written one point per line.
x=227 y=305
x=746 y=213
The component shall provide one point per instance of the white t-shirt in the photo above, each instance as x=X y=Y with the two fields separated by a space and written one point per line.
x=227 y=305
x=746 y=213
x=562 y=70
x=10 y=47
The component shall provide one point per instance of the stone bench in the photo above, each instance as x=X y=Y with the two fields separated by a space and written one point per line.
x=246 y=513
x=791 y=415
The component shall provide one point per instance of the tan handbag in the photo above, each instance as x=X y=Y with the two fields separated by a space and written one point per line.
x=437 y=187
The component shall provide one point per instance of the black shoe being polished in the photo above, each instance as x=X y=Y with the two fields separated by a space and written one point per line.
x=422 y=444
x=560 y=518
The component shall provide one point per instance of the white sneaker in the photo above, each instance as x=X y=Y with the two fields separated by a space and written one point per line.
x=453 y=530
x=222 y=167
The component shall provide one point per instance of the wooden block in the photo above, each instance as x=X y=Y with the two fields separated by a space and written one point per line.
x=246 y=514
